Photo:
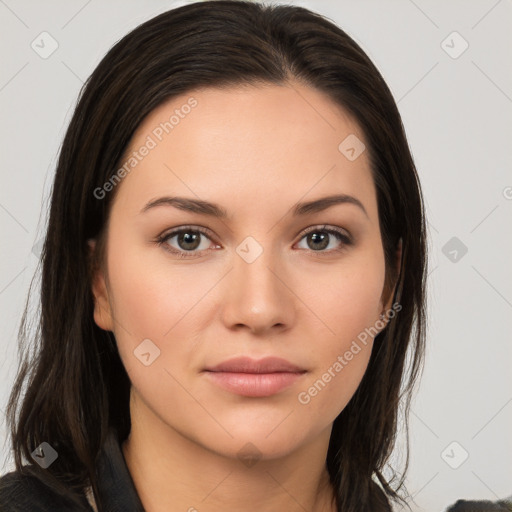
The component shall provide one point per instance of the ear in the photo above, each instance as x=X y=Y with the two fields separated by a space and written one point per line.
x=102 y=309
x=398 y=266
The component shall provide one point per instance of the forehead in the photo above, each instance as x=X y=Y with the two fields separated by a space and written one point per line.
x=248 y=145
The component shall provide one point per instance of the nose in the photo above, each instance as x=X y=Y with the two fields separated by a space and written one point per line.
x=258 y=298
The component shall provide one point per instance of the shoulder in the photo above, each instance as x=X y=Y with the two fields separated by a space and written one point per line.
x=481 y=506
x=20 y=492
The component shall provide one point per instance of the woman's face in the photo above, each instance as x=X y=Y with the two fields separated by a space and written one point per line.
x=265 y=280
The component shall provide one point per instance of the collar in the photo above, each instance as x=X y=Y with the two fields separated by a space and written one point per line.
x=116 y=487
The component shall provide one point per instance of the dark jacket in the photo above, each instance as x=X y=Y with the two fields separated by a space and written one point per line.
x=481 y=506
x=25 y=493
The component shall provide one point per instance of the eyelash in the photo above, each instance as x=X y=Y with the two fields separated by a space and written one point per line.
x=162 y=240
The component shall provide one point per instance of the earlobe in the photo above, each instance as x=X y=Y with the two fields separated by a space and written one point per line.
x=102 y=310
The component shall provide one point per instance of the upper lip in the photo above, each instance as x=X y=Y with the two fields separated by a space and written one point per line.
x=249 y=365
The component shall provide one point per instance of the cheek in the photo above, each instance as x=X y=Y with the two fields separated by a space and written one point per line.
x=143 y=303
x=347 y=297
x=156 y=299
x=348 y=303
x=151 y=303
x=149 y=296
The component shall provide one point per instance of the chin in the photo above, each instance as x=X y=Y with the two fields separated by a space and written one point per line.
x=255 y=447
x=265 y=439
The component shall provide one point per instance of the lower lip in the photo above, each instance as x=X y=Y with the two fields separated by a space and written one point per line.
x=254 y=384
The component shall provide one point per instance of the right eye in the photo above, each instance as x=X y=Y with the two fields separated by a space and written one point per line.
x=188 y=241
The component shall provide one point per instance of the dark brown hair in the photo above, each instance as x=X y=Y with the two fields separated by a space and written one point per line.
x=76 y=385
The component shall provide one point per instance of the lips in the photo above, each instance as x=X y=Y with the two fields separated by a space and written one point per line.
x=248 y=365
x=254 y=378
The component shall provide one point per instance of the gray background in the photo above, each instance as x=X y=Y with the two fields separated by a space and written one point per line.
x=457 y=113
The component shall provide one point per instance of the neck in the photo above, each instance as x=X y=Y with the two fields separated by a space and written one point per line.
x=172 y=472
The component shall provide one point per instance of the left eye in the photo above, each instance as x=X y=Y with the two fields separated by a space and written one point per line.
x=319 y=238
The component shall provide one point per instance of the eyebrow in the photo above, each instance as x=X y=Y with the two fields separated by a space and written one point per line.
x=214 y=210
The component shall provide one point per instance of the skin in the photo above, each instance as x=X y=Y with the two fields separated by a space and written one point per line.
x=256 y=151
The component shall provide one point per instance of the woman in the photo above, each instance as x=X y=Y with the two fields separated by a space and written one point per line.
x=233 y=277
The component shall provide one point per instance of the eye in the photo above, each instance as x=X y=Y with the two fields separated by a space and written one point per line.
x=319 y=238
x=188 y=241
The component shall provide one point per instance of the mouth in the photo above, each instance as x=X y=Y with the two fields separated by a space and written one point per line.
x=254 y=378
